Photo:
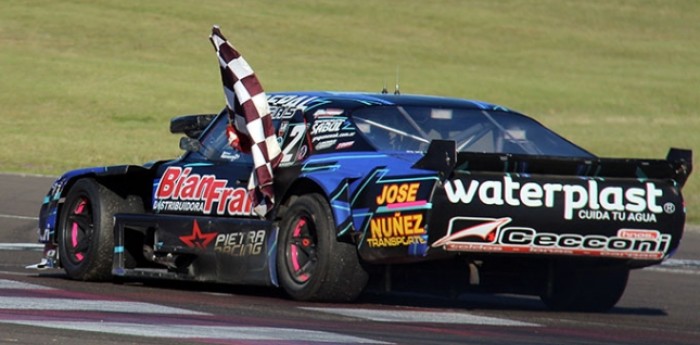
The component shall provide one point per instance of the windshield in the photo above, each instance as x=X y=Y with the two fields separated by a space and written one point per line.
x=412 y=129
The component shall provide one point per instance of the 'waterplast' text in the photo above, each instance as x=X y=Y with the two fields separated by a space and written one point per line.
x=574 y=197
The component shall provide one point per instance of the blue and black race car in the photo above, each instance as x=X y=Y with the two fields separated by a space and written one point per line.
x=392 y=192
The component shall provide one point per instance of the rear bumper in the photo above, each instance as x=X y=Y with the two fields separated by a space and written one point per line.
x=621 y=218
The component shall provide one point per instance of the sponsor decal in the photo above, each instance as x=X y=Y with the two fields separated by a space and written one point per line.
x=329 y=125
x=292 y=142
x=471 y=234
x=181 y=190
x=325 y=144
x=198 y=239
x=328 y=112
x=303 y=150
x=397 y=229
x=283 y=129
x=586 y=202
x=345 y=145
x=240 y=243
x=333 y=136
x=285 y=106
x=398 y=193
x=326 y=131
x=45 y=234
x=231 y=157
x=399 y=196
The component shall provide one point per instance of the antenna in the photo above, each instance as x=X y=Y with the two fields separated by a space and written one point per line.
x=396 y=89
x=384 y=90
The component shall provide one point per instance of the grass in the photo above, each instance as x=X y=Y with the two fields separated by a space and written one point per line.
x=88 y=83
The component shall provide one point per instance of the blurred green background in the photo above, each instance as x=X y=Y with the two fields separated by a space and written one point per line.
x=86 y=83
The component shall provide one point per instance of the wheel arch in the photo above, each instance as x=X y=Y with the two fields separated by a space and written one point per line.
x=307 y=185
x=111 y=176
x=123 y=180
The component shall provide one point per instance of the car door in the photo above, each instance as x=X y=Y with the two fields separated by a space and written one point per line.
x=209 y=180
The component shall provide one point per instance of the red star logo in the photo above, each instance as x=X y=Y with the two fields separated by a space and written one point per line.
x=198 y=239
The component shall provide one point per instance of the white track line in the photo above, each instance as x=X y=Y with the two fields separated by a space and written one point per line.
x=216 y=332
x=12 y=216
x=411 y=316
x=28 y=175
x=679 y=266
x=34 y=247
x=239 y=333
x=70 y=304
x=12 y=284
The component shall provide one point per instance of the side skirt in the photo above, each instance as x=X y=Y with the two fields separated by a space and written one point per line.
x=180 y=247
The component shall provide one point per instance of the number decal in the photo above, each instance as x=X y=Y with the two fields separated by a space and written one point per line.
x=291 y=143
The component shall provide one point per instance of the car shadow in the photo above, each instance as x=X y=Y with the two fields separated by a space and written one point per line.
x=485 y=301
x=464 y=301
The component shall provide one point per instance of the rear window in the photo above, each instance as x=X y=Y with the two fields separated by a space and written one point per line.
x=411 y=129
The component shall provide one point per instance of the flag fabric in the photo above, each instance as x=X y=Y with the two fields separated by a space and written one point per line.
x=250 y=126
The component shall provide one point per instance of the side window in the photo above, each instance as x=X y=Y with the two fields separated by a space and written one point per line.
x=215 y=147
x=389 y=128
x=485 y=142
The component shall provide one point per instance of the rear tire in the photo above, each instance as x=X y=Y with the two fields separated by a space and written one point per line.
x=86 y=229
x=587 y=289
x=312 y=264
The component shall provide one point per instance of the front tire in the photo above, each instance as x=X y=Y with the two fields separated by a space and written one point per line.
x=86 y=230
x=312 y=264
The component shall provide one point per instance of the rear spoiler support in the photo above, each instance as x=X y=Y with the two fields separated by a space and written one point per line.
x=441 y=157
x=682 y=161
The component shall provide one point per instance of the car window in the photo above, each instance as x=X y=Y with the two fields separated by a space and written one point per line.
x=473 y=130
x=215 y=147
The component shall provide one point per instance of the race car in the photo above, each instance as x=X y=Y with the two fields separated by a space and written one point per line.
x=377 y=191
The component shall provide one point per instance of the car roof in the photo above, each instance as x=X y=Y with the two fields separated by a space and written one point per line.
x=354 y=100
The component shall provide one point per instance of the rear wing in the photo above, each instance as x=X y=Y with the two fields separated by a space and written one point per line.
x=443 y=158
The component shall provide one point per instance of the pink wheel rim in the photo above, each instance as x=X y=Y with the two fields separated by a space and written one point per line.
x=301 y=253
x=79 y=234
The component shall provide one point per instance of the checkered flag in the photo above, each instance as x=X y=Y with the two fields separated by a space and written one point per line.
x=250 y=123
